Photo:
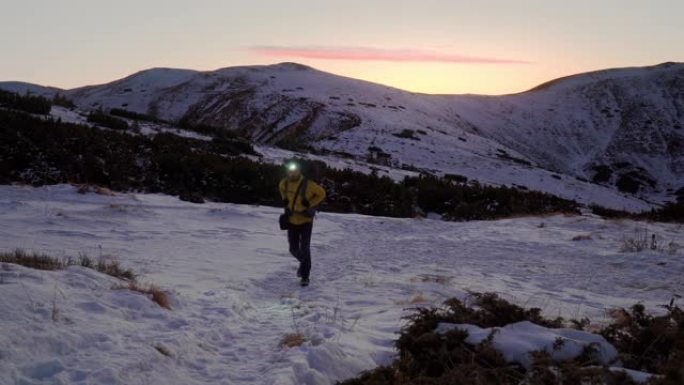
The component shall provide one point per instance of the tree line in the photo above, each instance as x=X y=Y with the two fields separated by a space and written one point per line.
x=44 y=151
x=28 y=103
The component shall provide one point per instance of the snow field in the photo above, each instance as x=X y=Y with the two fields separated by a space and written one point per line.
x=235 y=296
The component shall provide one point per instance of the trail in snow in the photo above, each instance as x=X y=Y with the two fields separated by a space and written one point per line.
x=235 y=294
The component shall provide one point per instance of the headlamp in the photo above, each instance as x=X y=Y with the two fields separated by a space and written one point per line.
x=292 y=166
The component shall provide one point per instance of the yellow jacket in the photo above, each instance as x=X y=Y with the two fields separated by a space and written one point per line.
x=314 y=194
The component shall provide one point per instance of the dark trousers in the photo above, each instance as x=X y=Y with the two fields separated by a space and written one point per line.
x=299 y=237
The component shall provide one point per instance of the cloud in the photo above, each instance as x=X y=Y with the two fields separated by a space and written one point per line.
x=375 y=54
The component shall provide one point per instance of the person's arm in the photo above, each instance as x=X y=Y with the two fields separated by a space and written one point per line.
x=317 y=194
x=281 y=188
x=283 y=195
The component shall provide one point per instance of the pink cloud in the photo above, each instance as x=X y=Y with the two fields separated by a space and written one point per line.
x=375 y=54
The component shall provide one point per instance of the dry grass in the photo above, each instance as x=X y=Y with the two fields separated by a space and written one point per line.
x=46 y=262
x=582 y=237
x=643 y=240
x=157 y=295
x=620 y=317
x=99 y=190
x=633 y=246
x=115 y=270
x=291 y=340
x=102 y=265
x=118 y=207
x=638 y=242
x=33 y=260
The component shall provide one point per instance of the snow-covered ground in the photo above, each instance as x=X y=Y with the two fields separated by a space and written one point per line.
x=234 y=292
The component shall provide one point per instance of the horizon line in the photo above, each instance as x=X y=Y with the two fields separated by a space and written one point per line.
x=346 y=76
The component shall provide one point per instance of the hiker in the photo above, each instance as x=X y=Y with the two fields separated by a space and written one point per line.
x=301 y=198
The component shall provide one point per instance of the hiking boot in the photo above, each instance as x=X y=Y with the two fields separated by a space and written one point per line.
x=305 y=282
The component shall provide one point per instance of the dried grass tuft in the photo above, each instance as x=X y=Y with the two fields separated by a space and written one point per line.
x=46 y=262
x=157 y=295
x=291 y=340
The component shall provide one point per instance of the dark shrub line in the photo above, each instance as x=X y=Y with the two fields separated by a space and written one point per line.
x=39 y=152
x=135 y=115
x=63 y=101
x=650 y=343
x=104 y=119
x=654 y=344
x=28 y=103
x=670 y=212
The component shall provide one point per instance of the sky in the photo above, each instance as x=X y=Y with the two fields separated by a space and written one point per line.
x=447 y=46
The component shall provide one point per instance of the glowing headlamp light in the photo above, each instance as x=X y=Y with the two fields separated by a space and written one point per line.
x=292 y=166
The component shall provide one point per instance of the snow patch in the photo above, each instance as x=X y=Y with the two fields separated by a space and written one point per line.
x=517 y=340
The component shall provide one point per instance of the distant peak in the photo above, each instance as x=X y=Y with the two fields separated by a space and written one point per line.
x=669 y=64
x=293 y=66
x=165 y=70
x=25 y=87
x=610 y=73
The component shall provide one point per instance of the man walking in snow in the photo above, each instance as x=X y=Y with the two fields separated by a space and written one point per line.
x=301 y=198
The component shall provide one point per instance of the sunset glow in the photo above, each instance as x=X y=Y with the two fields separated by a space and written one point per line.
x=424 y=46
x=375 y=54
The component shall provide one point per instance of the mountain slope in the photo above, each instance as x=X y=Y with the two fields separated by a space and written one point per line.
x=23 y=88
x=621 y=128
x=629 y=120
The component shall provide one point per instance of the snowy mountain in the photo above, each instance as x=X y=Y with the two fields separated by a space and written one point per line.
x=29 y=88
x=619 y=128
x=626 y=122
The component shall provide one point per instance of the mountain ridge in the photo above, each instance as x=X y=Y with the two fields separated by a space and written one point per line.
x=10 y=84
x=621 y=128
